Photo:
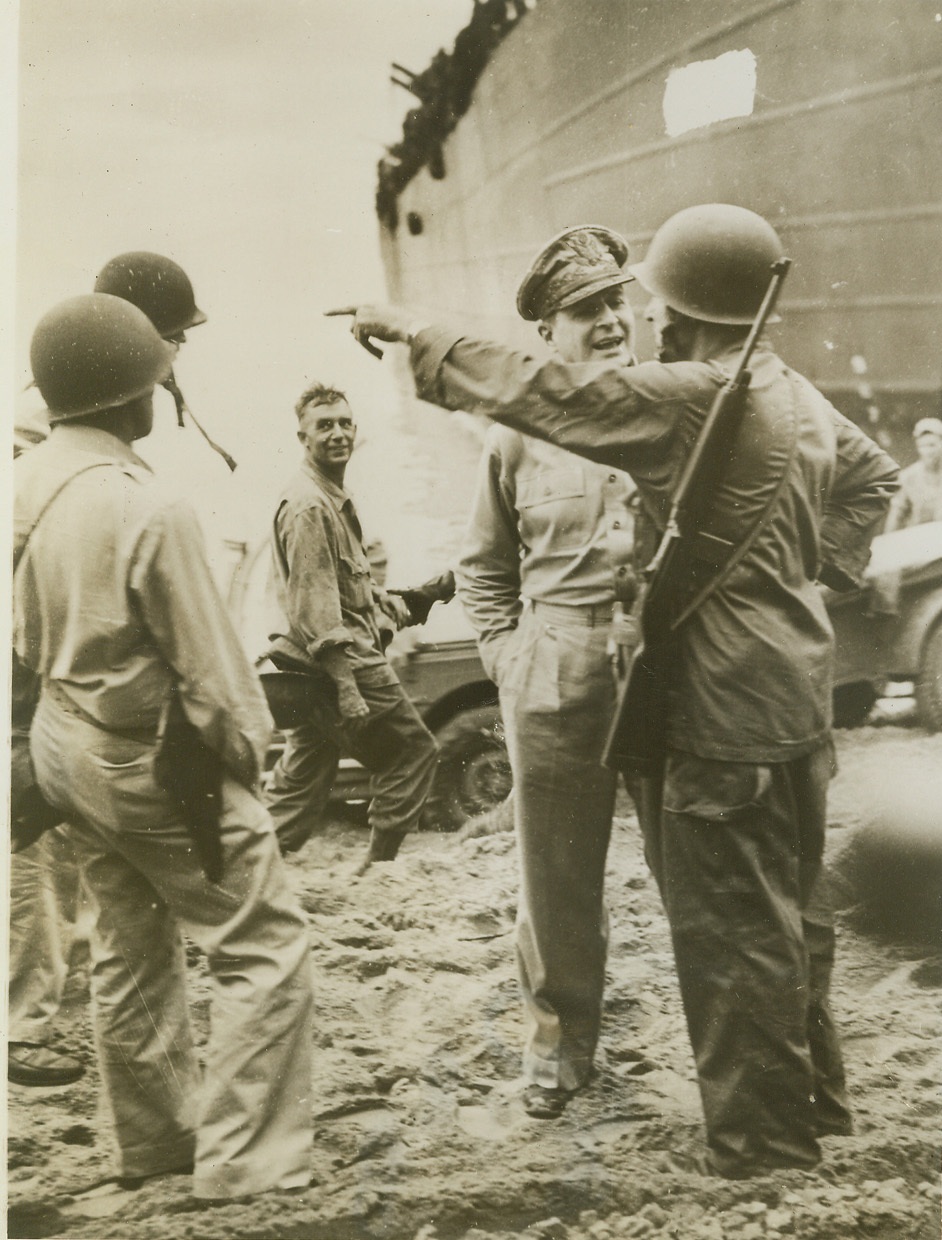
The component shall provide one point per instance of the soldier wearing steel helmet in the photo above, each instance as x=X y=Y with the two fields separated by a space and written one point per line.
x=734 y=823
x=162 y=289
x=547 y=555
x=158 y=286
x=155 y=284
x=45 y=893
x=115 y=609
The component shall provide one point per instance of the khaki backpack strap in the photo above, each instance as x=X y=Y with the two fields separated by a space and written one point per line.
x=47 y=504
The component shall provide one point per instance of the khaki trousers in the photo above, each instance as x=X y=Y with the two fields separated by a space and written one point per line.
x=393 y=744
x=48 y=914
x=245 y=1118
x=557 y=697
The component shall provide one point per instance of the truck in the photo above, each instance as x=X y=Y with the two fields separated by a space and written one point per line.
x=875 y=651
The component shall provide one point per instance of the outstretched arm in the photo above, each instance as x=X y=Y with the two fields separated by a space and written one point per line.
x=395 y=324
x=615 y=415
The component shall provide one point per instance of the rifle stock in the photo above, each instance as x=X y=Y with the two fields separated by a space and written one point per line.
x=637 y=738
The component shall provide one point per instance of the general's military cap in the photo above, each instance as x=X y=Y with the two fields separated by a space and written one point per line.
x=577 y=263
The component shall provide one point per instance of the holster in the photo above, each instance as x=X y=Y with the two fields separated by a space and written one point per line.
x=637 y=739
x=191 y=773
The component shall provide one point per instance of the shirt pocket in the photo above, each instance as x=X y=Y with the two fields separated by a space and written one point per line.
x=354 y=584
x=552 y=507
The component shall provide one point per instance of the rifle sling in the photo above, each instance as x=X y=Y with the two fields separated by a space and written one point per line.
x=724 y=556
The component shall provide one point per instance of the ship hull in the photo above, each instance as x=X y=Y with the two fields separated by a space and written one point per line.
x=840 y=149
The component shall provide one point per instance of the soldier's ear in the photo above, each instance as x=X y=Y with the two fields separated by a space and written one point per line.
x=546 y=331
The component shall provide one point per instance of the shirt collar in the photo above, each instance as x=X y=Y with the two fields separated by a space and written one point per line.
x=734 y=351
x=97 y=442
x=337 y=495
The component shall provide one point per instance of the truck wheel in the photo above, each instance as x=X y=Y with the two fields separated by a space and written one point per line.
x=473 y=769
x=853 y=703
x=929 y=682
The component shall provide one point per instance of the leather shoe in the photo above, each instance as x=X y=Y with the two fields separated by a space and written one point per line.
x=542 y=1103
x=384 y=846
x=131 y=1183
x=703 y=1162
x=29 y=1063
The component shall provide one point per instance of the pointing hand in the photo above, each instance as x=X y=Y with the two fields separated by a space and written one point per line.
x=390 y=323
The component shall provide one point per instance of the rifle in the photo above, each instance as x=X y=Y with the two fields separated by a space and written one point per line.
x=637 y=738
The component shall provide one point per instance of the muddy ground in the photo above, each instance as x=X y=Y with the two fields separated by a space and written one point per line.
x=420 y=1133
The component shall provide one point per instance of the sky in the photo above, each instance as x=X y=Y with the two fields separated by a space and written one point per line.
x=239 y=137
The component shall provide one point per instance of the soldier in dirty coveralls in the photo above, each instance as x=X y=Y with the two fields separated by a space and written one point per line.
x=332 y=613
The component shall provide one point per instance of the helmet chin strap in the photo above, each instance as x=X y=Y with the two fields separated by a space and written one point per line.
x=170 y=384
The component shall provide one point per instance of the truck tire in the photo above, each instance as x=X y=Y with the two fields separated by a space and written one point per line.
x=929 y=682
x=853 y=703
x=473 y=769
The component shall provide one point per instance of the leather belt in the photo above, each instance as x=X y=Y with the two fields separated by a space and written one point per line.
x=585 y=615
x=53 y=690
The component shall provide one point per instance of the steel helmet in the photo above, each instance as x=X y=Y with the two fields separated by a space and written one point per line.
x=157 y=285
x=711 y=262
x=95 y=352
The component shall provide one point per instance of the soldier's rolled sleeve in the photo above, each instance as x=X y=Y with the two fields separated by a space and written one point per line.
x=865 y=481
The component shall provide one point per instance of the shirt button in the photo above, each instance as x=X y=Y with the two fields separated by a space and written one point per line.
x=616 y=525
x=612 y=478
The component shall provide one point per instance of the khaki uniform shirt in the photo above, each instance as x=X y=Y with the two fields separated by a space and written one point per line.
x=114 y=601
x=546 y=526
x=325 y=590
x=752 y=682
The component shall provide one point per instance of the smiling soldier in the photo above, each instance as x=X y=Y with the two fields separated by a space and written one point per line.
x=334 y=613
x=549 y=539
